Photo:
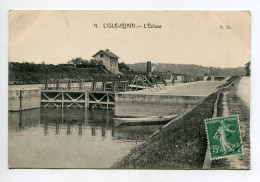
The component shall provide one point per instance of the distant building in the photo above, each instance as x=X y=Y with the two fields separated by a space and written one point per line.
x=108 y=59
x=169 y=75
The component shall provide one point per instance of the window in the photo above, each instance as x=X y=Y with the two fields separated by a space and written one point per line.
x=101 y=55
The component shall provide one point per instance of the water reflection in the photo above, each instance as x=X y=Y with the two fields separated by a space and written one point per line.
x=55 y=121
x=90 y=135
x=18 y=121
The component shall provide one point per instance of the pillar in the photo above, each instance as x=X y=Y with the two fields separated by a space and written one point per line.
x=104 y=85
x=114 y=86
x=125 y=86
x=94 y=85
x=80 y=84
x=46 y=85
x=69 y=85
x=57 y=84
x=62 y=99
x=86 y=99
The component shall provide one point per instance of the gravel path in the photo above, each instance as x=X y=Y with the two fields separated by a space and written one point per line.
x=243 y=90
x=199 y=88
x=236 y=100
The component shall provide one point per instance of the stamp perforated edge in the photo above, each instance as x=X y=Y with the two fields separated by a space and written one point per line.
x=208 y=142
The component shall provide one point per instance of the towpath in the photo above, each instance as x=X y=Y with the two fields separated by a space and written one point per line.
x=236 y=101
x=200 y=88
x=243 y=90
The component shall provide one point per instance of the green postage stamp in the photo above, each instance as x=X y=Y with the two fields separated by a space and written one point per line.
x=224 y=139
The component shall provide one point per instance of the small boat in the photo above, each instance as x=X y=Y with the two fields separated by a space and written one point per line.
x=144 y=120
x=136 y=87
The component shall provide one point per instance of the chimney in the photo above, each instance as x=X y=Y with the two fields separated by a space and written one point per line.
x=107 y=50
x=149 y=67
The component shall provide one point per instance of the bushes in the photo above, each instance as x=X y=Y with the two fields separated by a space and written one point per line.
x=29 y=73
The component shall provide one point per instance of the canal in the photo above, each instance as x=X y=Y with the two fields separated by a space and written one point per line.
x=82 y=138
x=70 y=138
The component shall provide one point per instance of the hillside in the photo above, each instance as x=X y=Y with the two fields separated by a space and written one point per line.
x=29 y=73
x=189 y=69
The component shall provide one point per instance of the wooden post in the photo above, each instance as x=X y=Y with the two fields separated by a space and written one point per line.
x=86 y=99
x=62 y=115
x=107 y=100
x=21 y=100
x=125 y=86
x=57 y=84
x=20 y=120
x=114 y=85
x=80 y=84
x=69 y=85
x=94 y=85
x=104 y=85
x=46 y=85
x=62 y=99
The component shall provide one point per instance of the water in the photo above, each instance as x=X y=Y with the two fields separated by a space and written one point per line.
x=70 y=138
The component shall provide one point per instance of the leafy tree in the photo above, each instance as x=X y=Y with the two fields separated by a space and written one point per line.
x=77 y=61
x=123 y=66
x=248 y=68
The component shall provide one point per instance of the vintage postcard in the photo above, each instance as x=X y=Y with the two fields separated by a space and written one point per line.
x=129 y=89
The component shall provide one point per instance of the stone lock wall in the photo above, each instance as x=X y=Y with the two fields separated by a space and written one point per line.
x=134 y=105
x=29 y=99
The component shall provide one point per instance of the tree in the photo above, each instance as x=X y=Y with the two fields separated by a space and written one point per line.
x=248 y=68
x=123 y=66
x=213 y=71
x=77 y=61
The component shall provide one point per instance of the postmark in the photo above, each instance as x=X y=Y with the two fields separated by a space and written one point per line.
x=224 y=138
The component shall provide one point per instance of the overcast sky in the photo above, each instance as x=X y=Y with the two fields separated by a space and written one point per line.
x=186 y=37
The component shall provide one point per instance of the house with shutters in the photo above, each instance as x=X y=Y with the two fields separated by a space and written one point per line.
x=108 y=59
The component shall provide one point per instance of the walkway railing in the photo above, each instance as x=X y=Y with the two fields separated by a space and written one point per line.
x=115 y=86
x=82 y=94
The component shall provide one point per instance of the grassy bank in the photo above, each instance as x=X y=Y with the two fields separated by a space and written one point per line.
x=220 y=109
x=181 y=145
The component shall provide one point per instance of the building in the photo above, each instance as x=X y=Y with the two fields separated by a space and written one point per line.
x=108 y=59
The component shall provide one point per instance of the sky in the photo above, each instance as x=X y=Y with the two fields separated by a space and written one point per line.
x=185 y=37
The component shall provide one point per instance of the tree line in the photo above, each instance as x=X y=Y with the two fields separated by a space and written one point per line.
x=31 y=73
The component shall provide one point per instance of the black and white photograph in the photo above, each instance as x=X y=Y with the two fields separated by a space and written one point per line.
x=139 y=89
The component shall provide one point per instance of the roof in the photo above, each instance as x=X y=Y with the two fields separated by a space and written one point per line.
x=108 y=53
